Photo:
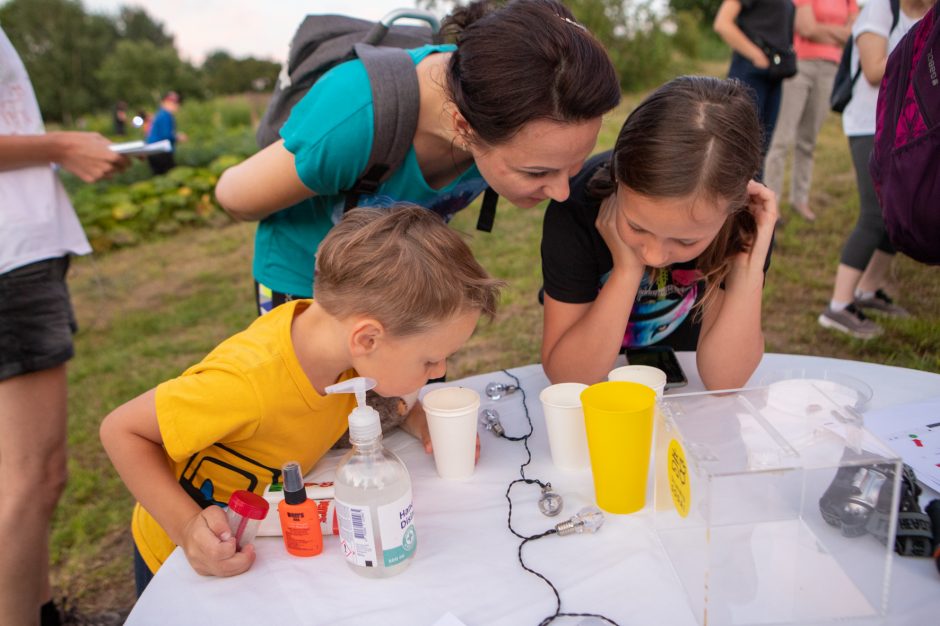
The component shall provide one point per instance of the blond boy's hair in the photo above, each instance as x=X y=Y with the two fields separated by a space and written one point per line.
x=404 y=266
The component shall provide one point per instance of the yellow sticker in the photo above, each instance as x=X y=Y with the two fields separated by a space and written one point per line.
x=678 y=472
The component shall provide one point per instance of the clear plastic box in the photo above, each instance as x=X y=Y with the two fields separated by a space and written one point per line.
x=743 y=480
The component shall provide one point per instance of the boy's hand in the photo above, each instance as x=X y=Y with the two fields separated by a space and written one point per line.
x=210 y=546
x=416 y=424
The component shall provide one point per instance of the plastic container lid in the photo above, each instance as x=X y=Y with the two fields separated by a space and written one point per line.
x=248 y=504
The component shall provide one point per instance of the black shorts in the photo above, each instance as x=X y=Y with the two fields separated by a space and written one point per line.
x=36 y=318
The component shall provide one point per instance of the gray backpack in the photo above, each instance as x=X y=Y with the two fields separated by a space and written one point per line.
x=323 y=42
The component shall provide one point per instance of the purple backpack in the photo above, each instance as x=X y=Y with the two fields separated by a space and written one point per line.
x=905 y=162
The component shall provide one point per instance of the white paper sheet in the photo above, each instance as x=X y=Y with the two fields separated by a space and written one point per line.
x=913 y=431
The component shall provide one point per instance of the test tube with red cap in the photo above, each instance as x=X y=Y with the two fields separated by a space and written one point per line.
x=245 y=512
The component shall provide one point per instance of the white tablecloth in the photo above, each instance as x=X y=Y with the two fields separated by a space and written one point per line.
x=466 y=561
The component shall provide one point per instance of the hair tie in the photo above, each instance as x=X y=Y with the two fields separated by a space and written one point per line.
x=573 y=23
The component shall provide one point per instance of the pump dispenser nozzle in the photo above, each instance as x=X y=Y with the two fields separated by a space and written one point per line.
x=364 y=421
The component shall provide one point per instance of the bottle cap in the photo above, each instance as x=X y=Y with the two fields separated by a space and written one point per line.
x=364 y=421
x=294 y=490
x=248 y=504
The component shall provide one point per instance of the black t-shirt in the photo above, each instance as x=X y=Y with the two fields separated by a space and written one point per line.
x=770 y=21
x=576 y=263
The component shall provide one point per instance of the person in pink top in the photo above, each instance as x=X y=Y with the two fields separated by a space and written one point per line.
x=822 y=28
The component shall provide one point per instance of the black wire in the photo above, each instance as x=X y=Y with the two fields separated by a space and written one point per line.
x=524 y=438
x=552 y=531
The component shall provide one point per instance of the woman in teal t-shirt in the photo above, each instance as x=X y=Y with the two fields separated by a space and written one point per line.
x=501 y=108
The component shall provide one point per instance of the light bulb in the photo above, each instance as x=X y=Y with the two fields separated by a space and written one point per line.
x=589 y=519
x=490 y=420
x=495 y=391
x=550 y=503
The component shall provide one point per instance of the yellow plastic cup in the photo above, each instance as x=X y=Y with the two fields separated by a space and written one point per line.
x=618 y=417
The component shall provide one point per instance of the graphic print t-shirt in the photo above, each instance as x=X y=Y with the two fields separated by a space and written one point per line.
x=330 y=133
x=576 y=264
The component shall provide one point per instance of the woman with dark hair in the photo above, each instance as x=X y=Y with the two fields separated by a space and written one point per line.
x=664 y=240
x=516 y=104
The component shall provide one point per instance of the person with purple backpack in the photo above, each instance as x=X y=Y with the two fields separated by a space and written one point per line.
x=865 y=264
x=905 y=162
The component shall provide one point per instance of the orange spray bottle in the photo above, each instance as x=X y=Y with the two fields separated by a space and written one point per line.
x=300 y=520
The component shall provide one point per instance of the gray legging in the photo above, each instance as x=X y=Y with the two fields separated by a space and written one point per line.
x=869 y=232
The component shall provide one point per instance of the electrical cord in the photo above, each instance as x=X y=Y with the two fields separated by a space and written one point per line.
x=527 y=538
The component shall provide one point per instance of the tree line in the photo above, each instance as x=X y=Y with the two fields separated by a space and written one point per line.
x=643 y=38
x=81 y=62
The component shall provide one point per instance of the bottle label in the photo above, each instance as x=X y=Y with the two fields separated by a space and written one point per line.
x=397 y=529
x=356 y=535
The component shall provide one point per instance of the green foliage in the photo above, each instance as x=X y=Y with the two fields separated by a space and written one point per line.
x=222 y=126
x=695 y=39
x=638 y=37
x=140 y=72
x=118 y=216
x=706 y=8
x=81 y=62
x=225 y=74
x=61 y=47
x=601 y=17
x=643 y=47
x=135 y=24
x=642 y=52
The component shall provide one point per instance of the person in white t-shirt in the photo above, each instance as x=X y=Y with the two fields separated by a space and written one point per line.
x=38 y=232
x=865 y=264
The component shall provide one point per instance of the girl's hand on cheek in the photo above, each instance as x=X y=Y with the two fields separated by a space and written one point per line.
x=763 y=205
x=624 y=256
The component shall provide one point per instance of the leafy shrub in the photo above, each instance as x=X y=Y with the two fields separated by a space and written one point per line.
x=123 y=215
x=199 y=152
x=643 y=54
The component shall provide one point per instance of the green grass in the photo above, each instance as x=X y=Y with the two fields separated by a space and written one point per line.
x=149 y=312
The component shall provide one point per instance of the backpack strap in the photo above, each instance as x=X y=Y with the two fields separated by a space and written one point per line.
x=395 y=104
x=895 y=18
x=487 y=211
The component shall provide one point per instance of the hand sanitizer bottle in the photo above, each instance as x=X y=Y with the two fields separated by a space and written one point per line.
x=373 y=494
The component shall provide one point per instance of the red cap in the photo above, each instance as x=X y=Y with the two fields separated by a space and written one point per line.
x=248 y=504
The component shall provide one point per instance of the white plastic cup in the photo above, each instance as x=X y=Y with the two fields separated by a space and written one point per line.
x=452 y=422
x=564 y=421
x=652 y=377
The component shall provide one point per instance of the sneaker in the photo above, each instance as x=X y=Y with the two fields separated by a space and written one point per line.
x=850 y=321
x=882 y=304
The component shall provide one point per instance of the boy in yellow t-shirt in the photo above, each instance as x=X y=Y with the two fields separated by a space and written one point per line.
x=397 y=293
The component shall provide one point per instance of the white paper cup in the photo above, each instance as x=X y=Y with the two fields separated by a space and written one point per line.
x=564 y=421
x=652 y=377
x=452 y=422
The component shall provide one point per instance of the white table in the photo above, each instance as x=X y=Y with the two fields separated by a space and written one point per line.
x=466 y=560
